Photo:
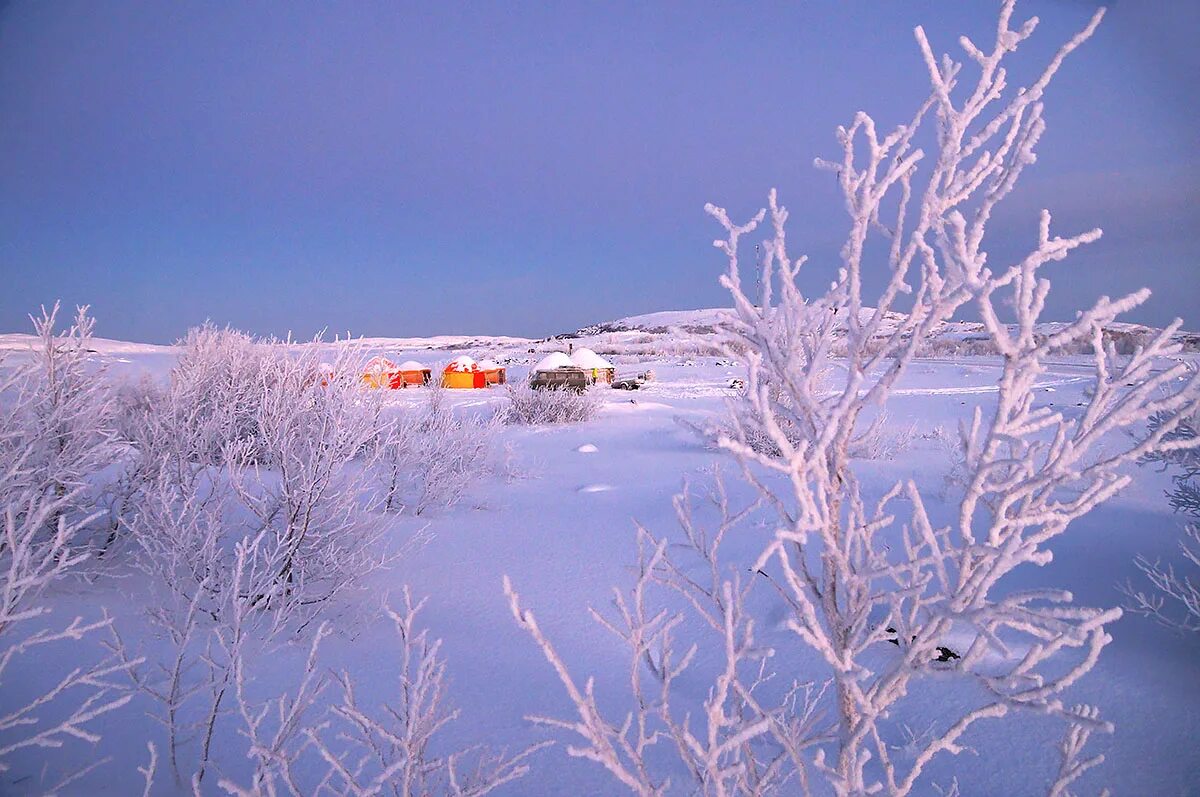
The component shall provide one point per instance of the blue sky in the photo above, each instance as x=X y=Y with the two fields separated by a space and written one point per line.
x=520 y=168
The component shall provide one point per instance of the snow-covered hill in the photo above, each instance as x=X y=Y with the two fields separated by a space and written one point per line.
x=668 y=331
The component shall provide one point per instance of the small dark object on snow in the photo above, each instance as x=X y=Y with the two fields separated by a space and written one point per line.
x=737 y=384
x=944 y=653
x=626 y=384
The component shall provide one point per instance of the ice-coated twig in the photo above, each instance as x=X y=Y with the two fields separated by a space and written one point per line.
x=858 y=570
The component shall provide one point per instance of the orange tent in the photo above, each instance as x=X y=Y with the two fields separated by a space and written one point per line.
x=463 y=372
x=410 y=373
x=493 y=372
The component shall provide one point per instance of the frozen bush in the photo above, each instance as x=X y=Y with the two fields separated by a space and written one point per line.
x=529 y=407
x=181 y=431
x=214 y=398
x=1174 y=600
x=884 y=440
x=749 y=733
x=433 y=455
x=57 y=416
x=244 y=537
x=1174 y=595
x=39 y=547
x=394 y=744
x=56 y=436
x=307 y=475
x=298 y=447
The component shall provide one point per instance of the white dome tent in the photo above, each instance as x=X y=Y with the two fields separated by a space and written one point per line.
x=557 y=371
x=596 y=367
x=555 y=359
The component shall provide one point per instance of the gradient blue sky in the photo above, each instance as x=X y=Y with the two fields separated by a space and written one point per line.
x=520 y=168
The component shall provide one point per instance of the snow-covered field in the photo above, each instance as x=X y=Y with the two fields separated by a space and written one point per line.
x=558 y=516
x=839 y=544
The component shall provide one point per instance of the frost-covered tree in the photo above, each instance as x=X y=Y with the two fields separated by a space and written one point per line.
x=1175 y=599
x=860 y=574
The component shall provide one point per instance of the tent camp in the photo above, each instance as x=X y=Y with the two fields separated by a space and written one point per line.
x=556 y=370
x=378 y=372
x=596 y=367
x=411 y=373
x=463 y=372
x=493 y=372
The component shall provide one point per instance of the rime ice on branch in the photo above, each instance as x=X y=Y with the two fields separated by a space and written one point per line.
x=857 y=570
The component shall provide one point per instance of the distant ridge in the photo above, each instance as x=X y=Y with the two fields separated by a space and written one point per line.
x=953 y=338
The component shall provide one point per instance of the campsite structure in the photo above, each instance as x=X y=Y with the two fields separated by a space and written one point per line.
x=493 y=372
x=378 y=372
x=557 y=371
x=411 y=373
x=463 y=373
x=595 y=367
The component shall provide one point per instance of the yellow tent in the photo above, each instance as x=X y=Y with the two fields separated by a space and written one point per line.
x=463 y=372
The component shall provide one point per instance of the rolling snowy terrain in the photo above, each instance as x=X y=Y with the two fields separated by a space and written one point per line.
x=557 y=516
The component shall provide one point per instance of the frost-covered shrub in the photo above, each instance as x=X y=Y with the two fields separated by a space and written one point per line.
x=870 y=591
x=286 y=433
x=55 y=437
x=397 y=744
x=1174 y=595
x=1184 y=458
x=883 y=440
x=433 y=455
x=182 y=431
x=1175 y=598
x=58 y=419
x=529 y=407
x=215 y=394
x=307 y=475
x=247 y=534
x=39 y=547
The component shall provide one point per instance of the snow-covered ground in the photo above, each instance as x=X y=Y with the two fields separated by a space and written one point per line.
x=558 y=518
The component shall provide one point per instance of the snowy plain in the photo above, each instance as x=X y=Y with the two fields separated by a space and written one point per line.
x=558 y=518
